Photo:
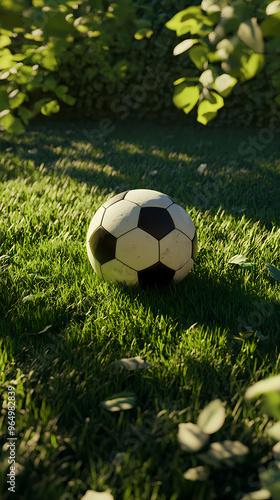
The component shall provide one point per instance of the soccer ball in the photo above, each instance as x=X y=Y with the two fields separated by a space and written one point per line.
x=141 y=237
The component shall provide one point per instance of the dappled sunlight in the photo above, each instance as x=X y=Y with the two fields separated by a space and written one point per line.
x=206 y=171
x=130 y=148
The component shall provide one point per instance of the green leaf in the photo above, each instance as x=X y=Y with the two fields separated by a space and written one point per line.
x=136 y=363
x=225 y=48
x=7 y=59
x=96 y=495
x=6 y=117
x=275 y=273
x=274 y=431
x=250 y=332
x=224 y=84
x=212 y=418
x=185 y=97
x=199 y=55
x=207 y=110
x=191 y=438
x=68 y=99
x=252 y=66
x=199 y=473
x=207 y=78
x=270 y=384
x=276 y=451
x=16 y=98
x=211 y=5
x=271 y=404
x=251 y=34
x=184 y=15
x=237 y=259
x=49 y=62
x=50 y=107
x=61 y=91
x=225 y=454
x=181 y=80
x=272 y=8
x=143 y=33
x=24 y=73
x=4 y=41
x=29 y=298
x=184 y=45
x=191 y=20
x=191 y=26
x=42 y=331
x=11 y=124
x=121 y=401
x=271 y=25
x=217 y=34
x=262 y=494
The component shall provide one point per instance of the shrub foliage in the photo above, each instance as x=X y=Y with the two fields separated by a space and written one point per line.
x=45 y=44
x=104 y=58
x=229 y=44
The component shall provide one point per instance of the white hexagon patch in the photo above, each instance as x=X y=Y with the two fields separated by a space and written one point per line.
x=175 y=249
x=183 y=271
x=95 y=264
x=148 y=198
x=137 y=249
x=182 y=220
x=121 y=217
x=116 y=271
x=95 y=221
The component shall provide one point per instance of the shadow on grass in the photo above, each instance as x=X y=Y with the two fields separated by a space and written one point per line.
x=67 y=374
x=200 y=310
x=158 y=157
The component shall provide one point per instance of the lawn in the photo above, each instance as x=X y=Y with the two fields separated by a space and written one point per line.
x=62 y=329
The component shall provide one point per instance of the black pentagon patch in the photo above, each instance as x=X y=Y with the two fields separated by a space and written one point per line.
x=157 y=275
x=113 y=200
x=103 y=245
x=156 y=221
x=194 y=246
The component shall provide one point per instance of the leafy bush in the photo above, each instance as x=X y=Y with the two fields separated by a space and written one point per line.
x=38 y=38
x=228 y=46
x=116 y=59
x=144 y=87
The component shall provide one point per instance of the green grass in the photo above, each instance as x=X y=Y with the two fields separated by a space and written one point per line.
x=62 y=328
